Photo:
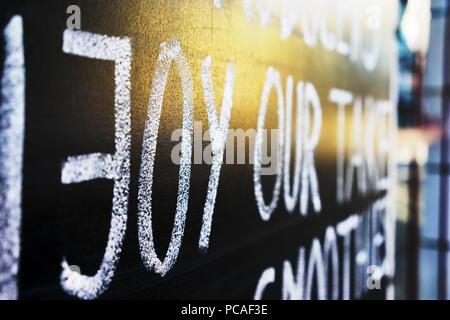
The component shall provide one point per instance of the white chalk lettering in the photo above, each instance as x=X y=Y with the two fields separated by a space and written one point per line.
x=116 y=167
x=218 y=134
x=170 y=51
x=12 y=121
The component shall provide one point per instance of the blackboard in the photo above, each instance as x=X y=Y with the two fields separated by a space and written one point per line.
x=76 y=97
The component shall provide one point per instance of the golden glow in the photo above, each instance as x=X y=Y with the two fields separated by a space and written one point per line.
x=413 y=144
x=226 y=35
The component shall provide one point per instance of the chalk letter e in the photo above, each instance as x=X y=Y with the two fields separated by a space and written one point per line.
x=98 y=165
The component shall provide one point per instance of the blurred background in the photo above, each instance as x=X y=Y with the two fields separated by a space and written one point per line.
x=423 y=259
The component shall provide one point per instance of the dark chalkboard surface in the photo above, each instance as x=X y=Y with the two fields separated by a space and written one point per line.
x=88 y=171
